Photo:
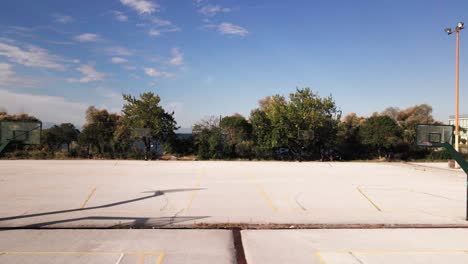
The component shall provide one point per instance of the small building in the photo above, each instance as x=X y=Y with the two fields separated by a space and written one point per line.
x=463 y=123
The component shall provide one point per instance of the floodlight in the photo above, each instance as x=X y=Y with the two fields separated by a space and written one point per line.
x=448 y=31
x=460 y=25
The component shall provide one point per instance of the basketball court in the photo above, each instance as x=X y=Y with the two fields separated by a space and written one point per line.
x=174 y=194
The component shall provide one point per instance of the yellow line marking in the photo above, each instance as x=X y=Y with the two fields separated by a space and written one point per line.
x=77 y=253
x=320 y=257
x=194 y=192
x=369 y=199
x=160 y=258
x=141 y=259
x=263 y=193
x=89 y=197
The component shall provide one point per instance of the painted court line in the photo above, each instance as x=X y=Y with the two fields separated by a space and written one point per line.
x=368 y=199
x=141 y=258
x=120 y=258
x=160 y=258
x=263 y=193
x=89 y=197
x=194 y=192
x=320 y=257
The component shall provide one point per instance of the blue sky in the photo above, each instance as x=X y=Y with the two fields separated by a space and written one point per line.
x=219 y=57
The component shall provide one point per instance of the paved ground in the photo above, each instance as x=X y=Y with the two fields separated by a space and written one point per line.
x=170 y=194
x=171 y=246
x=116 y=246
x=375 y=246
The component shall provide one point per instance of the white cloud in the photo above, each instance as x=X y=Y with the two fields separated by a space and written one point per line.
x=87 y=37
x=154 y=33
x=115 y=98
x=62 y=19
x=155 y=73
x=231 y=29
x=9 y=77
x=198 y=2
x=177 y=57
x=130 y=68
x=119 y=16
x=118 y=60
x=89 y=75
x=161 y=22
x=118 y=51
x=31 y=56
x=212 y=10
x=47 y=108
x=141 y=6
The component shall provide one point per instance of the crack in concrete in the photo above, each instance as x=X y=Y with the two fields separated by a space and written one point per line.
x=298 y=203
x=355 y=257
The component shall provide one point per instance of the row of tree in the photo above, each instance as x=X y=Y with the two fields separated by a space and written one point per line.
x=136 y=133
x=305 y=126
x=302 y=126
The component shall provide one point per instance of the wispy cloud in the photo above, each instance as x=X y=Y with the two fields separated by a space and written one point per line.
x=141 y=6
x=161 y=22
x=156 y=32
x=9 y=77
x=155 y=73
x=118 y=51
x=129 y=67
x=44 y=107
x=198 y=2
x=89 y=74
x=226 y=28
x=119 y=16
x=212 y=10
x=115 y=98
x=87 y=37
x=118 y=60
x=62 y=19
x=31 y=56
x=177 y=58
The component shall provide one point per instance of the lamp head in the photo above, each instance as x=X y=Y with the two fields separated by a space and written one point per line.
x=460 y=25
x=448 y=31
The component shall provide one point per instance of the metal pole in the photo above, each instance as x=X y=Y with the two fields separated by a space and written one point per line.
x=457 y=93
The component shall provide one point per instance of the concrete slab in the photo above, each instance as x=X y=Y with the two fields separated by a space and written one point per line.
x=172 y=194
x=357 y=246
x=116 y=246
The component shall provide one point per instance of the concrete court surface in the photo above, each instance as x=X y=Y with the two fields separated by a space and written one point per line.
x=171 y=246
x=356 y=246
x=116 y=246
x=165 y=194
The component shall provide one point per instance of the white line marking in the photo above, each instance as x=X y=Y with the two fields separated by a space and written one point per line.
x=120 y=258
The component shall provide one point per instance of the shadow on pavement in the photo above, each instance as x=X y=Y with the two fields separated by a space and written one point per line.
x=134 y=222
x=154 y=194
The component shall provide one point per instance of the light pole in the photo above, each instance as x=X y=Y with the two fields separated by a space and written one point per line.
x=449 y=31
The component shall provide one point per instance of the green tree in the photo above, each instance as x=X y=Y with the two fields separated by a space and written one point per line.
x=348 y=140
x=410 y=117
x=208 y=139
x=380 y=133
x=146 y=113
x=98 y=132
x=280 y=122
x=237 y=134
x=55 y=136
